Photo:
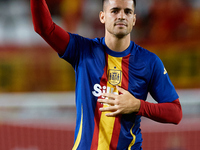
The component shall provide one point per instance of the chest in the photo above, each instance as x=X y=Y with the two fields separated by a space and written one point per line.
x=106 y=72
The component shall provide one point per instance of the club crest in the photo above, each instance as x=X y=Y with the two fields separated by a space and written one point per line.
x=114 y=76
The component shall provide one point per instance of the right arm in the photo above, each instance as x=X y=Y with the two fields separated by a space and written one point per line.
x=54 y=35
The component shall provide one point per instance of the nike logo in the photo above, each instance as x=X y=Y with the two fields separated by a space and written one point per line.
x=165 y=71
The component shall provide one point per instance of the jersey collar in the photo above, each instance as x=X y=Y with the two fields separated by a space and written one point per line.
x=118 y=54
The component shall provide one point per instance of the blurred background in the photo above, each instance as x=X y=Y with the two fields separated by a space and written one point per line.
x=37 y=108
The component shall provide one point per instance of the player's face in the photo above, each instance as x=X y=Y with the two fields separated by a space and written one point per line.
x=118 y=17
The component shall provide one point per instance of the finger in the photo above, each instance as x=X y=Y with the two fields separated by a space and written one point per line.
x=110 y=109
x=109 y=95
x=121 y=90
x=113 y=114
x=107 y=101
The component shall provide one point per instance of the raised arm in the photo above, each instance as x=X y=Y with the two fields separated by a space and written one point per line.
x=54 y=35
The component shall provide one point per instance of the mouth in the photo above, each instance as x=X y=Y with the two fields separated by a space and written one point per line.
x=120 y=24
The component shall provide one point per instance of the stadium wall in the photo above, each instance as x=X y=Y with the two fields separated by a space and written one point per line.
x=46 y=121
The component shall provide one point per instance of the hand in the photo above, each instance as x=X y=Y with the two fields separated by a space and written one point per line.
x=125 y=103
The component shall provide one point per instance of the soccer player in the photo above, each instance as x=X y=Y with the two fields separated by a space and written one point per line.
x=113 y=78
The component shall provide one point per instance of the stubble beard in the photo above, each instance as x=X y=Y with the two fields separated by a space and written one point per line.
x=119 y=34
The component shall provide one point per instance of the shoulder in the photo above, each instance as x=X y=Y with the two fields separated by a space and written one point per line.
x=85 y=47
x=144 y=54
x=78 y=39
x=142 y=51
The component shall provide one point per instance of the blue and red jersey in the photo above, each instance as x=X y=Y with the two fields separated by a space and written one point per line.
x=98 y=70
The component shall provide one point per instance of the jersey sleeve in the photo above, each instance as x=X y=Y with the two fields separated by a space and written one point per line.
x=43 y=24
x=162 y=112
x=78 y=48
x=161 y=87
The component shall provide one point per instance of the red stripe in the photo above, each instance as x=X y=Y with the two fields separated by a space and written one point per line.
x=116 y=132
x=124 y=84
x=125 y=70
x=97 y=116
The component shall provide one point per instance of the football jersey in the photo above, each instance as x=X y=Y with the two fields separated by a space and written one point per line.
x=98 y=70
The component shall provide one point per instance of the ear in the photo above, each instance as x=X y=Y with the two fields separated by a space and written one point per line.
x=102 y=17
x=134 y=19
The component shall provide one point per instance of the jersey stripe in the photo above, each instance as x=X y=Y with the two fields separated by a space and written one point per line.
x=116 y=133
x=125 y=79
x=94 y=144
x=104 y=137
x=125 y=70
x=78 y=139
x=124 y=84
x=98 y=113
x=106 y=124
x=134 y=138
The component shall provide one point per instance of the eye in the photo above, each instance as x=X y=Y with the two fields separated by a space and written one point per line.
x=128 y=12
x=114 y=11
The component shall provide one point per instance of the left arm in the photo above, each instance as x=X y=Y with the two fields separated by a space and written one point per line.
x=162 y=112
x=126 y=103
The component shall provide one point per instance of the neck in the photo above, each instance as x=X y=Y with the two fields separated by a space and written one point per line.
x=117 y=44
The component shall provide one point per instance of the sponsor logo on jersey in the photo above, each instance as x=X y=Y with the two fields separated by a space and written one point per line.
x=98 y=90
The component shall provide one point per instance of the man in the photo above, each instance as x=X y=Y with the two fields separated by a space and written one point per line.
x=113 y=77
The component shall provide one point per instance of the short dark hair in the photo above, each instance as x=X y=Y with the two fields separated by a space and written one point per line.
x=134 y=1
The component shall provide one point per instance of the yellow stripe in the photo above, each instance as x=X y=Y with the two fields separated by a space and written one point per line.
x=78 y=139
x=133 y=141
x=106 y=124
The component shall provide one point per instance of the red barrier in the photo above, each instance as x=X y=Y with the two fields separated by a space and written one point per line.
x=39 y=136
x=184 y=136
x=17 y=137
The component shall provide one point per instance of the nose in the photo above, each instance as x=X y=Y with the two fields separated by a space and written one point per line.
x=121 y=15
